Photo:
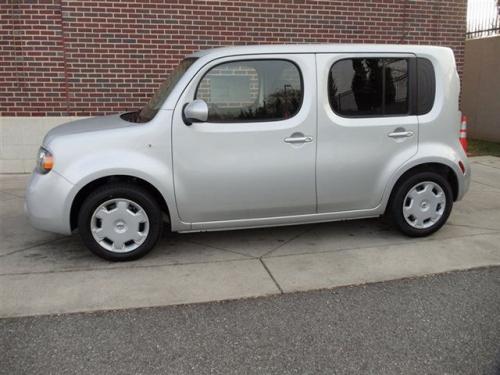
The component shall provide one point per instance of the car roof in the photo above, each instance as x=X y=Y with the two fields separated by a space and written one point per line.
x=317 y=48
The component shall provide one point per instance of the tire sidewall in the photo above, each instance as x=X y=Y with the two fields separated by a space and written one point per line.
x=132 y=193
x=396 y=207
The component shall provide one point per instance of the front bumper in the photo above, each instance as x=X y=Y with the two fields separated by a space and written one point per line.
x=46 y=203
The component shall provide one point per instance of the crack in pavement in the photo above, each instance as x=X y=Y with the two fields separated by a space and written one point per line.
x=114 y=268
x=313 y=226
x=271 y=275
x=32 y=246
x=384 y=245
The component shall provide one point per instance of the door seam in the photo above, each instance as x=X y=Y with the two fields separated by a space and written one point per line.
x=316 y=135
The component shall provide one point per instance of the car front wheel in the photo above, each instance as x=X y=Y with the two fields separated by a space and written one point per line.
x=120 y=222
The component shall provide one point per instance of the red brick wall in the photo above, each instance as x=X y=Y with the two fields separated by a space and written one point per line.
x=64 y=57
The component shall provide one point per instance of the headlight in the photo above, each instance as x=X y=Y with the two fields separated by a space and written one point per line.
x=45 y=161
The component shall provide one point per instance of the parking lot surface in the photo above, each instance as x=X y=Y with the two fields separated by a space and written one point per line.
x=43 y=273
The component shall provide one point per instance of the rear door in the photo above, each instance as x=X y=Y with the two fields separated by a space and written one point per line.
x=366 y=126
x=255 y=155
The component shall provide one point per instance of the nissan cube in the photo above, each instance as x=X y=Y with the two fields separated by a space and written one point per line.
x=256 y=136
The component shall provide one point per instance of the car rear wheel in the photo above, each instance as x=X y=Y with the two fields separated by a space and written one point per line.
x=421 y=204
x=120 y=222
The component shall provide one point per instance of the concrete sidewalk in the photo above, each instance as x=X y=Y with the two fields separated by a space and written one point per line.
x=41 y=273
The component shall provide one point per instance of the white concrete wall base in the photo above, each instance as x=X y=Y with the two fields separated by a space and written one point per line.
x=20 y=138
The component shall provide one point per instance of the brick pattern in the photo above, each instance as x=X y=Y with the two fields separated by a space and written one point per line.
x=65 y=57
x=225 y=72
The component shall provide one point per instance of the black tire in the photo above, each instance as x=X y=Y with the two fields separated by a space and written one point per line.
x=395 y=208
x=132 y=193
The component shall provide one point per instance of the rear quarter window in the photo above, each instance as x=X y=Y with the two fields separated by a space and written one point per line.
x=426 y=85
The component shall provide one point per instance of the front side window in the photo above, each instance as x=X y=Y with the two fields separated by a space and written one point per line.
x=363 y=87
x=251 y=90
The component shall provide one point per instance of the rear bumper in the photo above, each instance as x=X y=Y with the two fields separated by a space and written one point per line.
x=46 y=202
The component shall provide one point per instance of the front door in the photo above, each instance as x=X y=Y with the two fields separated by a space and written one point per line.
x=255 y=155
x=367 y=127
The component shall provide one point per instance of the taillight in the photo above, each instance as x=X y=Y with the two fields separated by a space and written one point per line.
x=463 y=133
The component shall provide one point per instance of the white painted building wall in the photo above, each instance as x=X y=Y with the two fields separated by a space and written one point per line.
x=20 y=138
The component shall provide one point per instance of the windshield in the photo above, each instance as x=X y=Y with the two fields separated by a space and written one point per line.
x=153 y=106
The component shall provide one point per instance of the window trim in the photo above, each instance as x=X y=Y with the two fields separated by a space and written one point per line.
x=256 y=120
x=412 y=86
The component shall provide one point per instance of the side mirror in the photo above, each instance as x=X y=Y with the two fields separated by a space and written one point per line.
x=196 y=111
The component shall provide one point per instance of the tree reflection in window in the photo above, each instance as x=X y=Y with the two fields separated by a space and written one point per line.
x=369 y=87
x=253 y=90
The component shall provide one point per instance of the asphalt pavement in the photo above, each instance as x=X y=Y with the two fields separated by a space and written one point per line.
x=441 y=324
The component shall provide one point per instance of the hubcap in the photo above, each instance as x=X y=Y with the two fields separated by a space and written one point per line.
x=424 y=205
x=119 y=225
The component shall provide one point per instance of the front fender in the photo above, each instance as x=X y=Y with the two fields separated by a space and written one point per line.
x=149 y=168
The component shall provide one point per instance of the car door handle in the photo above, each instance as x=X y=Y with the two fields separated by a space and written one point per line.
x=400 y=134
x=303 y=139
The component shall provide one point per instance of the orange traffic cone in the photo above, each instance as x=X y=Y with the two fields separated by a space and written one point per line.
x=463 y=133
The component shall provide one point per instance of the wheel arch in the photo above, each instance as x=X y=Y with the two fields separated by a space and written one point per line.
x=84 y=192
x=442 y=169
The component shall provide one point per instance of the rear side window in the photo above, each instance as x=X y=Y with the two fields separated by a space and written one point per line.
x=369 y=87
x=252 y=90
x=426 y=85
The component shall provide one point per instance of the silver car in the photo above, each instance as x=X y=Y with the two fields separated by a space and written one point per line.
x=256 y=136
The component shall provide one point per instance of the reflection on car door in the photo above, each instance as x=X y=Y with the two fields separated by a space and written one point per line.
x=366 y=128
x=255 y=156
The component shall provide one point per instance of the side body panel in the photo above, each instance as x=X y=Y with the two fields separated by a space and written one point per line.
x=356 y=156
x=245 y=170
x=439 y=129
x=438 y=137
